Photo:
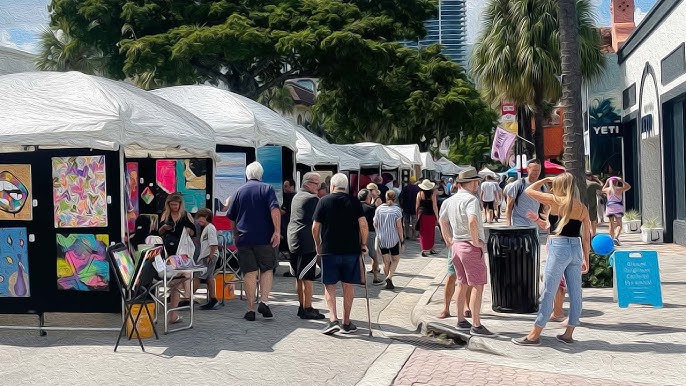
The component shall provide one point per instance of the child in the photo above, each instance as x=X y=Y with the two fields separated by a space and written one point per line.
x=209 y=253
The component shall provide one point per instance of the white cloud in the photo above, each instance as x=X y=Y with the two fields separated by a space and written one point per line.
x=475 y=10
x=639 y=14
x=22 y=21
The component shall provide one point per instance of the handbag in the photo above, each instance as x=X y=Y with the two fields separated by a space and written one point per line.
x=186 y=245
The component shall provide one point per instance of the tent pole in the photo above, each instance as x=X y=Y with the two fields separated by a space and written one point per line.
x=124 y=228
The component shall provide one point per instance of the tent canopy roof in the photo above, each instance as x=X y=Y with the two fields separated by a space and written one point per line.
x=447 y=167
x=427 y=161
x=410 y=152
x=372 y=154
x=236 y=120
x=313 y=150
x=487 y=172
x=74 y=110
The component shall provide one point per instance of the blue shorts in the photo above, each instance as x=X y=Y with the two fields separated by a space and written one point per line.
x=344 y=268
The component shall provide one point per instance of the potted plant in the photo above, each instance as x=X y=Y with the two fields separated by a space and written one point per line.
x=652 y=232
x=631 y=222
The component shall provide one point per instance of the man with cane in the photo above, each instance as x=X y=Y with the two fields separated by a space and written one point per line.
x=340 y=237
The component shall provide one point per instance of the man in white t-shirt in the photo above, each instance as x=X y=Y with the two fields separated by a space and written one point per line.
x=209 y=254
x=490 y=193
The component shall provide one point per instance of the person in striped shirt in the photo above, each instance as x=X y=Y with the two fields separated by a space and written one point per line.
x=388 y=222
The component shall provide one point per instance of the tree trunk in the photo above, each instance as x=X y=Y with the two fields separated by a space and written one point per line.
x=538 y=133
x=573 y=139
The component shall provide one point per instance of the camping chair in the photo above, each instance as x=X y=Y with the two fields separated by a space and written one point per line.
x=133 y=288
x=228 y=255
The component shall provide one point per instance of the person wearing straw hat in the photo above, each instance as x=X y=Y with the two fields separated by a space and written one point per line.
x=463 y=232
x=426 y=208
x=374 y=194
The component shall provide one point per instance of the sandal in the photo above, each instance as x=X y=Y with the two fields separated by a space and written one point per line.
x=562 y=339
x=557 y=318
x=178 y=319
x=526 y=342
x=443 y=315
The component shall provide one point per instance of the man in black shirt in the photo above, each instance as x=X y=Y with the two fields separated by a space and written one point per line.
x=340 y=235
x=301 y=244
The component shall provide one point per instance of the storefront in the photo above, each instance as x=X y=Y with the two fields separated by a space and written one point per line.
x=653 y=62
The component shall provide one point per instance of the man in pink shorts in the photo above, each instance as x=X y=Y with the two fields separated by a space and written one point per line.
x=463 y=232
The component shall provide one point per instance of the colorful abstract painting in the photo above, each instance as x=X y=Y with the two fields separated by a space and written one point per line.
x=15 y=192
x=230 y=175
x=190 y=173
x=125 y=264
x=79 y=191
x=270 y=158
x=147 y=196
x=165 y=175
x=14 y=263
x=131 y=197
x=82 y=262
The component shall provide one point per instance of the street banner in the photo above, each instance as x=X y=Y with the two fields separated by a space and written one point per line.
x=503 y=142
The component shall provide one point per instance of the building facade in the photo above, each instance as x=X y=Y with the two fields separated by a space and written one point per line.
x=449 y=30
x=653 y=66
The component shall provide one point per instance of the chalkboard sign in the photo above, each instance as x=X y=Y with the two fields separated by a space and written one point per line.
x=637 y=278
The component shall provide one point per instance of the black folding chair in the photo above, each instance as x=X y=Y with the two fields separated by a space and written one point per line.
x=134 y=281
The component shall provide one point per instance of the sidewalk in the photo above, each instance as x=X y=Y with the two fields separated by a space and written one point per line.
x=639 y=344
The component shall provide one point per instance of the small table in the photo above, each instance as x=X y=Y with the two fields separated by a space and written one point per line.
x=187 y=273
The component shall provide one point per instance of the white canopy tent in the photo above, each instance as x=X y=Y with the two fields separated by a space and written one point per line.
x=447 y=167
x=236 y=120
x=410 y=152
x=427 y=161
x=372 y=155
x=74 y=110
x=313 y=150
x=487 y=172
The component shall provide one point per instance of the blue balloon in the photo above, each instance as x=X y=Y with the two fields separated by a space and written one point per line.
x=602 y=244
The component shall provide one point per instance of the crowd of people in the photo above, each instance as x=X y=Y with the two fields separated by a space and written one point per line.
x=322 y=225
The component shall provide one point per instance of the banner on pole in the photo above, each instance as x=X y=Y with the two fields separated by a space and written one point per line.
x=503 y=143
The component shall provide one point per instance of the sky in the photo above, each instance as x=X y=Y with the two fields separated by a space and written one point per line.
x=21 y=21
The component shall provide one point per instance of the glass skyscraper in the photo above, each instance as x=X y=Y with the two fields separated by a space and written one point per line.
x=449 y=30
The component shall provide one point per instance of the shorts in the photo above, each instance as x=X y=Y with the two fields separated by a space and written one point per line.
x=256 y=257
x=469 y=262
x=304 y=265
x=616 y=216
x=343 y=268
x=394 y=250
x=211 y=263
x=488 y=205
x=371 y=245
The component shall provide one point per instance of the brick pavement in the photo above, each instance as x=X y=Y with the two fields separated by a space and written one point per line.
x=439 y=368
x=637 y=344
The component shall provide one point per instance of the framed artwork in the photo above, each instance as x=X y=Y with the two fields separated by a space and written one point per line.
x=125 y=264
x=79 y=191
x=270 y=158
x=132 y=207
x=15 y=192
x=230 y=175
x=82 y=262
x=191 y=180
x=165 y=175
x=14 y=263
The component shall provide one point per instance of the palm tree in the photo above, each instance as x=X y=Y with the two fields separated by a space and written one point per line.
x=517 y=56
x=278 y=99
x=60 y=52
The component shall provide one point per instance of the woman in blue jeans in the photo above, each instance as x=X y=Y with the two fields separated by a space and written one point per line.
x=568 y=250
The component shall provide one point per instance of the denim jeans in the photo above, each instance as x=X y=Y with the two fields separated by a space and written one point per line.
x=565 y=256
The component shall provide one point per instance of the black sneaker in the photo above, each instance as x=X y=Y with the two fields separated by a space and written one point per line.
x=349 y=328
x=300 y=311
x=377 y=281
x=331 y=328
x=249 y=316
x=210 y=305
x=526 y=342
x=264 y=310
x=311 y=314
x=480 y=331
x=425 y=254
x=464 y=325
x=184 y=303
x=389 y=284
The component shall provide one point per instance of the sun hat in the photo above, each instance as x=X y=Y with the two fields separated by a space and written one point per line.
x=468 y=175
x=372 y=186
x=427 y=185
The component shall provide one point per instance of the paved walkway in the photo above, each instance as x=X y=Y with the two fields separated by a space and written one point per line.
x=638 y=344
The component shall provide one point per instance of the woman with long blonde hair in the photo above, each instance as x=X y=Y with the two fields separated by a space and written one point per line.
x=568 y=252
x=174 y=220
x=614 y=208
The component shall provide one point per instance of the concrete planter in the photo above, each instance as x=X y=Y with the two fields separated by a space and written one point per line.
x=652 y=235
x=631 y=226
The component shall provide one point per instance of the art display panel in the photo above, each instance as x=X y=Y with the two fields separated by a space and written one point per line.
x=15 y=192
x=82 y=262
x=131 y=197
x=14 y=263
x=270 y=159
x=230 y=175
x=79 y=191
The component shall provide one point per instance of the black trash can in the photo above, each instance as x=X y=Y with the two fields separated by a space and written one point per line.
x=514 y=262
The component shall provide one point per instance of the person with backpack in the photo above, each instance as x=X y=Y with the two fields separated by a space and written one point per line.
x=522 y=210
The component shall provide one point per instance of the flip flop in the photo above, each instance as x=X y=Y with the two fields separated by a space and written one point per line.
x=178 y=319
x=557 y=318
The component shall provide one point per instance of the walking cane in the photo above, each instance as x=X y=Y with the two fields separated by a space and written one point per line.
x=363 y=275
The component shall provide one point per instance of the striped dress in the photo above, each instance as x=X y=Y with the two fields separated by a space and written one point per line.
x=386 y=231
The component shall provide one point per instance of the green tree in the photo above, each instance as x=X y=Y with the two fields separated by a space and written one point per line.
x=517 y=57
x=278 y=98
x=60 y=52
x=246 y=45
x=471 y=150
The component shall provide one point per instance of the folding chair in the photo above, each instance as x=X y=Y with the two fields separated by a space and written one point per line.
x=228 y=254
x=132 y=287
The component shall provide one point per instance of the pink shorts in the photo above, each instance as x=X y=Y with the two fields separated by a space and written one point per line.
x=469 y=263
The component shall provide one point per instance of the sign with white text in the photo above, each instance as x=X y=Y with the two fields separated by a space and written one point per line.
x=637 y=278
